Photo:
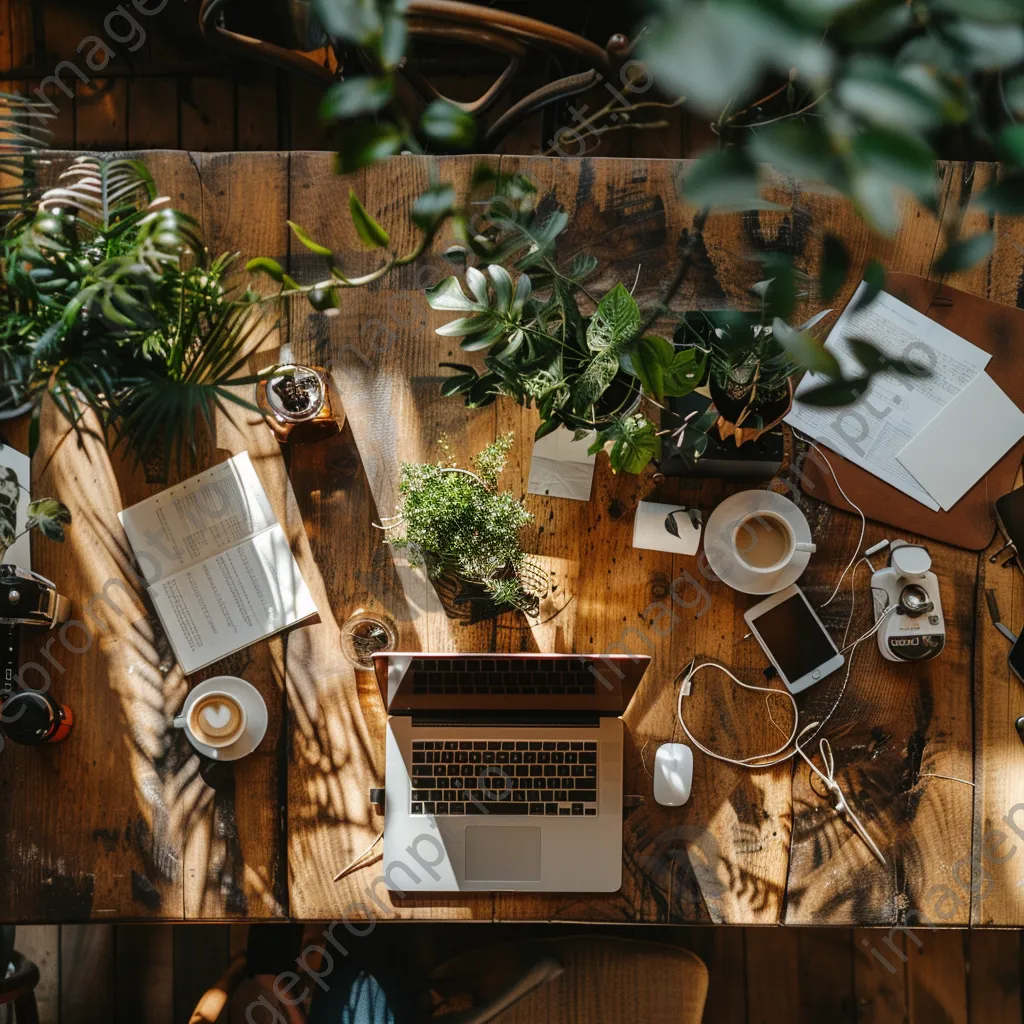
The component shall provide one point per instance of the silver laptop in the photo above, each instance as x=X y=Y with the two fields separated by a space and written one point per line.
x=504 y=771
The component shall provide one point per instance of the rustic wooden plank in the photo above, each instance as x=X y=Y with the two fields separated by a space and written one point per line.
x=234 y=858
x=200 y=956
x=87 y=976
x=338 y=757
x=826 y=975
x=101 y=114
x=773 y=975
x=40 y=943
x=879 y=976
x=723 y=951
x=994 y=976
x=937 y=979
x=144 y=974
x=257 y=106
x=207 y=114
x=153 y=113
x=305 y=130
x=62 y=125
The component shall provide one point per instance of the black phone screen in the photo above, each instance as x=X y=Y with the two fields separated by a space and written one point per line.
x=1010 y=510
x=795 y=639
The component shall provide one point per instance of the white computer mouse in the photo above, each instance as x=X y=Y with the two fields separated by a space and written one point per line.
x=673 y=774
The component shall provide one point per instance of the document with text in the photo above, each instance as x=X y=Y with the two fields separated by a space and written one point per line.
x=872 y=431
x=218 y=565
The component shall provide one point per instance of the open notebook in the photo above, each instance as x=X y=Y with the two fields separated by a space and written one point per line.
x=217 y=563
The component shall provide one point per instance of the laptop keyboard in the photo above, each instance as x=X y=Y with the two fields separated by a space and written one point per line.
x=525 y=777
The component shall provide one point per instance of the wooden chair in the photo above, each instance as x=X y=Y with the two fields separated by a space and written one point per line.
x=512 y=37
x=575 y=980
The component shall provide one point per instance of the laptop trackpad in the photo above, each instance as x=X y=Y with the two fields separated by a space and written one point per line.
x=502 y=853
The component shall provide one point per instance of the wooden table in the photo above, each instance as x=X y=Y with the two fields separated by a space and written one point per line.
x=123 y=822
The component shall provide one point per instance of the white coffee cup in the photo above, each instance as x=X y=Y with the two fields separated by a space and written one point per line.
x=214 y=719
x=764 y=542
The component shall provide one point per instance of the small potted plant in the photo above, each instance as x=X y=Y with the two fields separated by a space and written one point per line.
x=460 y=527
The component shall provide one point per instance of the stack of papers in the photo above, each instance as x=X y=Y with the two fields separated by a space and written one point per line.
x=931 y=436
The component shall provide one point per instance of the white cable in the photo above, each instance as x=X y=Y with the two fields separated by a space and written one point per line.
x=853 y=505
x=357 y=860
x=769 y=759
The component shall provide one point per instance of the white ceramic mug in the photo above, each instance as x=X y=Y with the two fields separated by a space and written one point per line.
x=211 y=730
x=766 y=519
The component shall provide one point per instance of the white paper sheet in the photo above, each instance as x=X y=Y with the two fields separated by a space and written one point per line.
x=221 y=573
x=872 y=431
x=967 y=438
x=560 y=467
x=15 y=480
x=649 y=530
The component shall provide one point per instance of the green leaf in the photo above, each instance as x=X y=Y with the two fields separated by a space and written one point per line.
x=685 y=372
x=648 y=358
x=1005 y=195
x=355 y=97
x=725 y=179
x=445 y=123
x=448 y=294
x=778 y=291
x=300 y=234
x=900 y=156
x=349 y=19
x=546 y=427
x=433 y=206
x=877 y=200
x=836 y=392
x=805 y=350
x=268 y=266
x=874 y=278
x=461 y=327
x=365 y=143
x=592 y=383
x=635 y=443
x=616 y=319
x=48 y=516
x=835 y=265
x=796 y=147
x=1013 y=90
x=982 y=10
x=876 y=91
x=988 y=46
x=965 y=253
x=369 y=231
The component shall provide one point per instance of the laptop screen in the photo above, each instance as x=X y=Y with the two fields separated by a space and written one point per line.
x=601 y=683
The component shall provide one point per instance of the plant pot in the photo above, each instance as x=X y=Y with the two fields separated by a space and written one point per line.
x=743 y=421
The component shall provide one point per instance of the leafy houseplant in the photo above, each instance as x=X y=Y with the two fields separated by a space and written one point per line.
x=47 y=515
x=458 y=525
x=590 y=372
x=115 y=306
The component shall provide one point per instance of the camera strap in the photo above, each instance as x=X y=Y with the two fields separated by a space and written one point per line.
x=10 y=636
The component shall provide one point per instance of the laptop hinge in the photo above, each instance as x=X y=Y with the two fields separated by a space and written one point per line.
x=506 y=719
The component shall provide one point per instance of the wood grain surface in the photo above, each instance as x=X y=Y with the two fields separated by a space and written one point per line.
x=122 y=822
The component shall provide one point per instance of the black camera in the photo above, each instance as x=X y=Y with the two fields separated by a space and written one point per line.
x=28 y=599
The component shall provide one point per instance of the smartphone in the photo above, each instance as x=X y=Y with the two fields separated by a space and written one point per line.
x=794 y=639
x=1010 y=516
x=1016 y=658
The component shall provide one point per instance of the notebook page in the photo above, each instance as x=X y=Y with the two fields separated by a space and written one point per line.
x=232 y=599
x=198 y=518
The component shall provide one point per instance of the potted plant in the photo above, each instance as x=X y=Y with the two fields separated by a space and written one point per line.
x=460 y=527
x=115 y=306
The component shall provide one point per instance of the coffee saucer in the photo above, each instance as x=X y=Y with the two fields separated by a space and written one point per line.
x=722 y=557
x=256 y=717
